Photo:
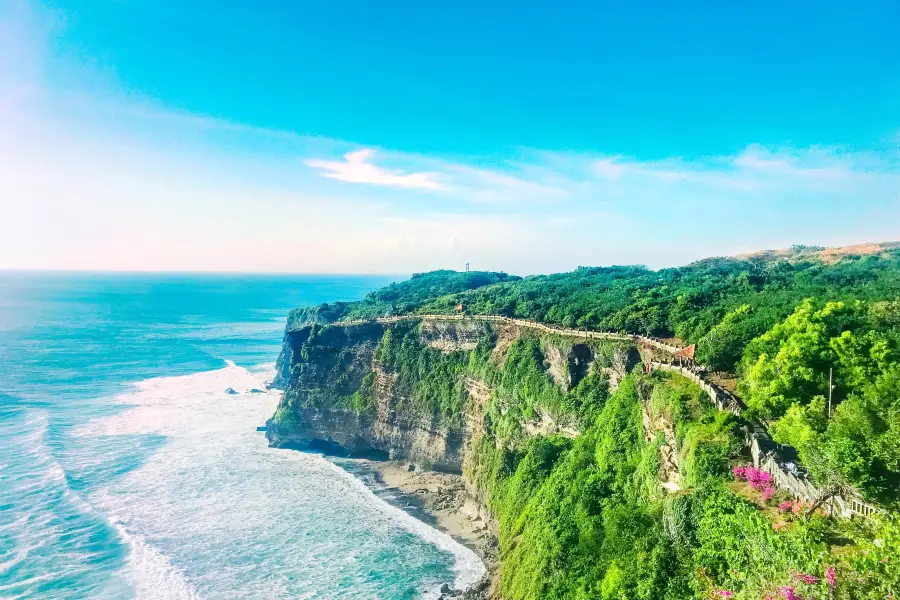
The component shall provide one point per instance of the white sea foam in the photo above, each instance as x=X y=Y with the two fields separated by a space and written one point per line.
x=468 y=566
x=266 y=370
x=152 y=574
x=214 y=510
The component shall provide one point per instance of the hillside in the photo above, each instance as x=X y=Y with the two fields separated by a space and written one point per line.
x=601 y=480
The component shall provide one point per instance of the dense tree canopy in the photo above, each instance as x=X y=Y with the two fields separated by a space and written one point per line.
x=721 y=304
x=398 y=298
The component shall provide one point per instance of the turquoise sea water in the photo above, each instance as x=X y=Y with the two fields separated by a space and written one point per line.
x=126 y=471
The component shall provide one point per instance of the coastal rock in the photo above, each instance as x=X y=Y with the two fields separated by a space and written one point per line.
x=328 y=367
x=231 y=391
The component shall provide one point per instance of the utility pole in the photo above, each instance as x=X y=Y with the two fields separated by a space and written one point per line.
x=830 y=388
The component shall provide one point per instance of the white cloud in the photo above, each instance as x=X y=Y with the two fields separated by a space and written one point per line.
x=755 y=169
x=356 y=168
x=496 y=187
x=608 y=168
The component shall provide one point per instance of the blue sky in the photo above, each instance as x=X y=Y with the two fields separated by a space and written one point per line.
x=401 y=136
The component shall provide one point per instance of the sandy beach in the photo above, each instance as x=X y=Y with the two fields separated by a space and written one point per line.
x=444 y=497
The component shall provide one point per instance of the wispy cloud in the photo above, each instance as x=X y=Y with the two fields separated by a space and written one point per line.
x=498 y=187
x=357 y=168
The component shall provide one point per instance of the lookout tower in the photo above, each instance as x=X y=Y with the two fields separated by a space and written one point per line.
x=467 y=267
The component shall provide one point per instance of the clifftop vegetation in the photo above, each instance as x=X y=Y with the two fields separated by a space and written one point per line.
x=398 y=298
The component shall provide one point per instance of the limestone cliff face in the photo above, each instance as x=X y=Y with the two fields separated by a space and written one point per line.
x=339 y=397
x=321 y=368
x=449 y=336
x=318 y=367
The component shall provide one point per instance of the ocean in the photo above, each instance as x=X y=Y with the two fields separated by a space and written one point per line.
x=128 y=471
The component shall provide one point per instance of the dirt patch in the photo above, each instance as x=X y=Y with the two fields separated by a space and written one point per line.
x=833 y=255
x=506 y=335
x=726 y=381
x=826 y=255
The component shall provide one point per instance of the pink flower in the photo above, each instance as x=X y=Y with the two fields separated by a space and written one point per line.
x=797 y=508
x=724 y=593
x=830 y=577
x=768 y=493
x=789 y=593
x=739 y=472
x=761 y=479
x=785 y=506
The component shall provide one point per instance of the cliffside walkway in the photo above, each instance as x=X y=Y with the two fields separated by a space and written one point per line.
x=786 y=475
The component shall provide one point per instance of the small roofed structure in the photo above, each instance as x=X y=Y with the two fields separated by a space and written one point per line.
x=460 y=309
x=686 y=353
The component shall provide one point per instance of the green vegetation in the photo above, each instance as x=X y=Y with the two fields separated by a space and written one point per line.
x=719 y=303
x=755 y=317
x=398 y=298
x=433 y=381
x=585 y=518
x=786 y=381
x=708 y=440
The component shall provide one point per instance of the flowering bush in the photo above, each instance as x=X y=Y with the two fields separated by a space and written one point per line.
x=830 y=577
x=768 y=493
x=789 y=593
x=785 y=506
x=757 y=478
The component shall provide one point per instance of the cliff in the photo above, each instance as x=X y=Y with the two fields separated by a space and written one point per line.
x=420 y=390
x=605 y=481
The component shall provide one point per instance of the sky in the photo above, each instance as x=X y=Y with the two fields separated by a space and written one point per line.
x=396 y=137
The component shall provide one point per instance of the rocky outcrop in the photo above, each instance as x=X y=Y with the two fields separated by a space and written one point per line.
x=450 y=336
x=340 y=399
x=322 y=368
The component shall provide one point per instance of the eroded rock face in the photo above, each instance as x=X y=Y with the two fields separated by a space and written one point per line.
x=569 y=364
x=450 y=336
x=404 y=434
x=339 y=399
x=327 y=365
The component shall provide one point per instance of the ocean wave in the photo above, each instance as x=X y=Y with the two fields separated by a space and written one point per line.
x=214 y=509
x=152 y=574
x=51 y=526
x=468 y=566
